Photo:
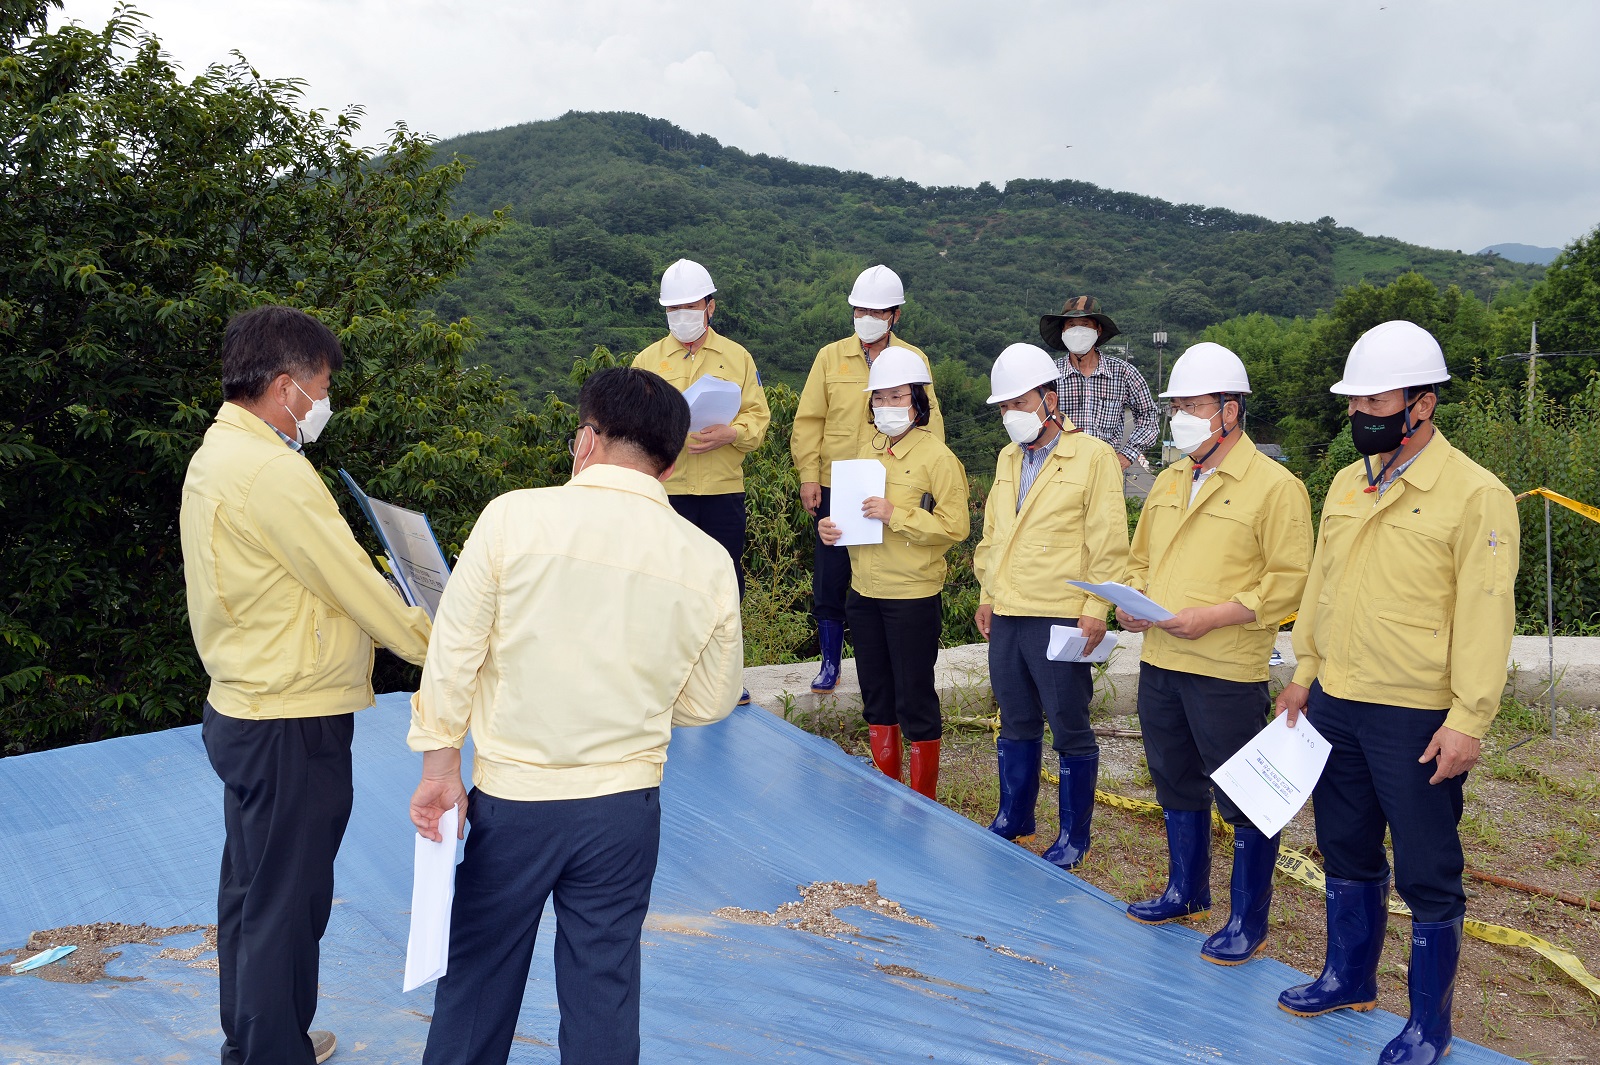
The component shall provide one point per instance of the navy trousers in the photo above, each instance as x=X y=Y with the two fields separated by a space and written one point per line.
x=720 y=517
x=1191 y=725
x=830 y=570
x=1373 y=781
x=597 y=857
x=285 y=803
x=1031 y=689
x=897 y=647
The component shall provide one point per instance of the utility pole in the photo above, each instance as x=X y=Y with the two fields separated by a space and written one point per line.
x=1533 y=366
x=1159 y=341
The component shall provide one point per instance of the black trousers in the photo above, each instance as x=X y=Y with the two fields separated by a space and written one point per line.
x=286 y=800
x=830 y=570
x=1373 y=781
x=897 y=646
x=598 y=857
x=1031 y=689
x=1191 y=725
x=720 y=517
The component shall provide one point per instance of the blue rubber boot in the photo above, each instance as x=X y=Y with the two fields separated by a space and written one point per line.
x=1254 y=858
x=1075 y=800
x=831 y=635
x=1019 y=788
x=1435 y=950
x=1188 y=891
x=1358 y=914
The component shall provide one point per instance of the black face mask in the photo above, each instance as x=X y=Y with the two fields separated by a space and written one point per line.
x=1374 y=435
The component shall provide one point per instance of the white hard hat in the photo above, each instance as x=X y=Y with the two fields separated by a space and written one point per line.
x=685 y=281
x=1392 y=355
x=1205 y=369
x=1021 y=368
x=897 y=366
x=877 y=289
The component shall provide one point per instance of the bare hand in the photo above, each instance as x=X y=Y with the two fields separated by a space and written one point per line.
x=1125 y=460
x=433 y=799
x=1293 y=699
x=710 y=438
x=1130 y=623
x=985 y=618
x=1094 y=630
x=811 y=497
x=829 y=532
x=1456 y=751
x=877 y=507
x=1190 y=623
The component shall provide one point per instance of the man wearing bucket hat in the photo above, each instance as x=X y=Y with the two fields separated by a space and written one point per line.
x=1096 y=388
x=1055 y=514
x=895 y=608
x=832 y=423
x=1224 y=540
x=1401 y=642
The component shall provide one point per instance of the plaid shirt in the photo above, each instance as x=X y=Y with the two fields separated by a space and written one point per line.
x=1095 y=403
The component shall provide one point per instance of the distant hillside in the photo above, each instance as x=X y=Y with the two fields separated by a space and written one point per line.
x=1523 y=253
x=601 y=203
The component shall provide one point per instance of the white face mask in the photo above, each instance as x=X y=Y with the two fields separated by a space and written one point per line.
x=891 y=421
x=310 y=427
x=687 y=326
x=870 y=329
x=1189 y=431
x=1080 y=338
x=1023 y=426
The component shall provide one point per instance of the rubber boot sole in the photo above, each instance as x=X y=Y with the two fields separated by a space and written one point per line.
x=1359 y=1007
x=1181 y=917
x=1240 y=961
x=823 y=691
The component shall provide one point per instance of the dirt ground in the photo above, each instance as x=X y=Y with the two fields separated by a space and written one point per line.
x=1532 y=815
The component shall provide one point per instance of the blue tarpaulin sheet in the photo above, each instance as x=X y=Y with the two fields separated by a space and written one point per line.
x=1023 y=963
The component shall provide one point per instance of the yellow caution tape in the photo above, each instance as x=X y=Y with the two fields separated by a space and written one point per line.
x=1592 y=513
x=1288 y=619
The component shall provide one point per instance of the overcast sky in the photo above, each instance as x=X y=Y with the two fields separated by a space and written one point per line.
x=1453 y=123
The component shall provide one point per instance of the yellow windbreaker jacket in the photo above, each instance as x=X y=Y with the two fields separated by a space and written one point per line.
x=910 y=564
x=831 y=421
x=1245 y=539
x=1410 y=599
x=718 y=472
x=282 y=598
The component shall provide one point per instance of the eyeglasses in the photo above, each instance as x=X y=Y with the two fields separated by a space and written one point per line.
x=572 y=445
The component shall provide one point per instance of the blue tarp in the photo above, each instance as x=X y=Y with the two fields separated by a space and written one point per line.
x=130 y=830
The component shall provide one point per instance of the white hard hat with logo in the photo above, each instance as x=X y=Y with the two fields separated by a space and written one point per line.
x=685 y=281
x=877 y=289
x=1389 y=356
x=1021 y=368
x=896 y=366
x=1205 y=369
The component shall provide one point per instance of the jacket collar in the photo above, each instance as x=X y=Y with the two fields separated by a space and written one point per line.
x=1233 y=466
x=678 y=347
x=621 y=479
x=906 y=445
x=1429 y=464
x=853 y=348
x=232 y=414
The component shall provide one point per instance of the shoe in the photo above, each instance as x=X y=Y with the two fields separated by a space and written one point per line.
x=1254 y=859
x=1188 y=892
x=323 y=1045
x=744 y=697
x=925 y=768
x=885 y=743
x=1435 y=951
x=1358 y=915
x=1019 y=788
x=1075 y=801
x=831 y=635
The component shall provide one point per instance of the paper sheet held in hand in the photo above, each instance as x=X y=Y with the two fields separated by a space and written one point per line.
x=1271 y=777
x=1067 y=643
x=854 y=481
x=1134 y=603
x=712 y=401
x=433 y=889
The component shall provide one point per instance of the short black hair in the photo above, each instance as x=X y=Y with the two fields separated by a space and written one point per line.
x=637 y=408
x=263 y=342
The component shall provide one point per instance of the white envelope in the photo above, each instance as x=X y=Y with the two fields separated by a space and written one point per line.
x=433 y=890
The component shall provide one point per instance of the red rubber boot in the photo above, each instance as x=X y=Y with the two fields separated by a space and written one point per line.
x=885 y=743
x=925 y=768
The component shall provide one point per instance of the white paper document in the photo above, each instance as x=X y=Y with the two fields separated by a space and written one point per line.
x=1271 y=777
x=854 y=482
x=416 y=561
x=1134 y=603
x=1068 y=641
x=433 y=889
x=712 y=401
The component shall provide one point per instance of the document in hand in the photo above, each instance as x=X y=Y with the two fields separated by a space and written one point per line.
x=1271 y=777
x=712 y=401
x=1068 y=641
x=433 y=889
x=414 y=554
x=1134 y=603
x=854 y=482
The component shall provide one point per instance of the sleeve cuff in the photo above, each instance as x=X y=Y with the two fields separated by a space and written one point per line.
x=1252 y=602
x=1094 y=607
x=1468 y=722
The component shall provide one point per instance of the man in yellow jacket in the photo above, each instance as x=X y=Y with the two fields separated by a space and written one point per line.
x=581 y=624
x=831 y=423
x=1055 y=514
x=1224 y=541
x=1401 y=648
x=285 y=607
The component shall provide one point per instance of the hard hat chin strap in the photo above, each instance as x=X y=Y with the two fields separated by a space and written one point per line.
x=1410 y=431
